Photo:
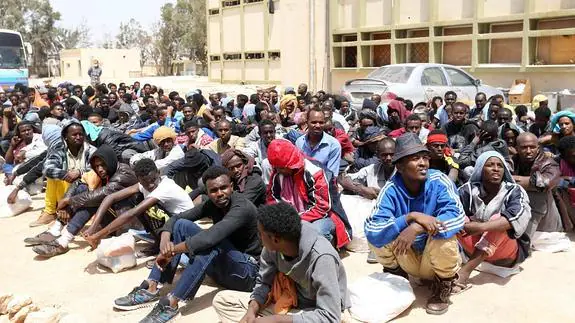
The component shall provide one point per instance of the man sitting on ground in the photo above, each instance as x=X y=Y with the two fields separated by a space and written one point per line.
x=226 y=140
x=295 y=251
x=155 y=189
x=303 y=183
x=228 y=251
x=318 y=144
x=167 y=151
x=412 y=233
x=441 y=156
x=538 y=174
x=81 y=202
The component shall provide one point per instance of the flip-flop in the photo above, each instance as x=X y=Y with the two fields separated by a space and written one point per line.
x=459 y=288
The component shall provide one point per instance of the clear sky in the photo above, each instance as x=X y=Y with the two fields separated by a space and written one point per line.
x=103 y=17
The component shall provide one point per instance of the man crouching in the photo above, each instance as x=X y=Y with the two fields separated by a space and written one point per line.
x=412 y=229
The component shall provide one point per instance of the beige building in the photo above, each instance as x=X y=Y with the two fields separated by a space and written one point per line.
x=115 y=63
x=325 y=42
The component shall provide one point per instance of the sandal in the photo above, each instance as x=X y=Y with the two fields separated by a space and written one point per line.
x=459 y=288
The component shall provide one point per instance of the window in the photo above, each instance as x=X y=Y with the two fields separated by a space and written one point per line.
x=230 y=3
x=458 y=78
x=229 y=57
x=394 y=74
x=433 y=76
x=255 y=55
x=214 y=12
x=274 y=55
x=214 y=58
x=252 y=1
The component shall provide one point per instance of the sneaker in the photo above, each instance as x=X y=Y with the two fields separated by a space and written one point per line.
x=371 y=258
x=39 y=239
x=138 y=298
x=43 y=219
x=50 y=249
x=162 y=313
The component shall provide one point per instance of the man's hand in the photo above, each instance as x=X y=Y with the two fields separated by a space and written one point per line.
x=473 y=228
x=63 y=203
x=405 y=239
x=9 y=179
x=15 y=141
x=162 y=261
x=92 y=240
x=369 y=193
x=252 y=312
x=13 y=196
x=72 y=175
x=93 y=229
x=512 y=151
x=64 y=216
x=166 y=245
x=431 y=224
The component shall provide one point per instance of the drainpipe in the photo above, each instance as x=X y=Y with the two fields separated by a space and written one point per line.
x=312 y=84
x=327 y=75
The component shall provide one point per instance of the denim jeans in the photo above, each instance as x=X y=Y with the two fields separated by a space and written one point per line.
x=82 y=215
x=228 y=267
x=325 y=227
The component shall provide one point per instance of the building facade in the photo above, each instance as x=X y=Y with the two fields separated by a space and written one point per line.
x=116 y=63
x=326 y=42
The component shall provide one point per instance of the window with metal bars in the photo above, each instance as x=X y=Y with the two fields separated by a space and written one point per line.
x=214 y=58
x=274 y=55
x=213 y=12
x=234 y=56
x=255 y=55
x=230 y=3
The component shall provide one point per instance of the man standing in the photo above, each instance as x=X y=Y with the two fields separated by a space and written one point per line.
x=94 y=73
x=228 y=251
x=303 y=93
x=295 y=251
x=538 y=175
x=318 y=144
x=412 y=233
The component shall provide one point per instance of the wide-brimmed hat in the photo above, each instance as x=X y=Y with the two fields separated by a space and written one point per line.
x=406 y=145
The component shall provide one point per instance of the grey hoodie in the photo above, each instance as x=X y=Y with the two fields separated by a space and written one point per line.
x=318 y=274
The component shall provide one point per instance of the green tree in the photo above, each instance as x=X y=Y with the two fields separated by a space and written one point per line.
x=132 y=35
x=78 y=37
x=35 y=20
x=182 y=33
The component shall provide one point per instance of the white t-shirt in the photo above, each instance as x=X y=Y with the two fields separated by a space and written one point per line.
x=171 y=197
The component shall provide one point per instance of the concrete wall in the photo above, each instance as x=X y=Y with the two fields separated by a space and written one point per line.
x=249 y=28
x=115 y=63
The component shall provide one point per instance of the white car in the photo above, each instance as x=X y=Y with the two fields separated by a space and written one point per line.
x=416 y=82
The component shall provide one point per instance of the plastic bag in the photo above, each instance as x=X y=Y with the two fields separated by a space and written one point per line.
x=117 y=253
x=380 y=297
x=23 y=202
x=357 y=210
x=551 y=241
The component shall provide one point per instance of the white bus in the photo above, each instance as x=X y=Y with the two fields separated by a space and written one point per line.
x=13 y=62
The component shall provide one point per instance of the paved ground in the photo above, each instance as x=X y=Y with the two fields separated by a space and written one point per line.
x=541 y=293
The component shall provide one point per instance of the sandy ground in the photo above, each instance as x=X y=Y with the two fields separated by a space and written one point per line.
x=541 y=293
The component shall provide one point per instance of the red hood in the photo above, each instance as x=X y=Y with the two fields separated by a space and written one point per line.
x=283 y=154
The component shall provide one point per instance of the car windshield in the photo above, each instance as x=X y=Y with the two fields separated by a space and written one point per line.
x=393 y=74
x=12 y=57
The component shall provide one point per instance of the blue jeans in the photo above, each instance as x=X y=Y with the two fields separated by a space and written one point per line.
x=82 y=215
x=325 y=227
x=228 y=267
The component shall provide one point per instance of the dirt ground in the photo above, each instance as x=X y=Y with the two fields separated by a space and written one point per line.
x=541 y=293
